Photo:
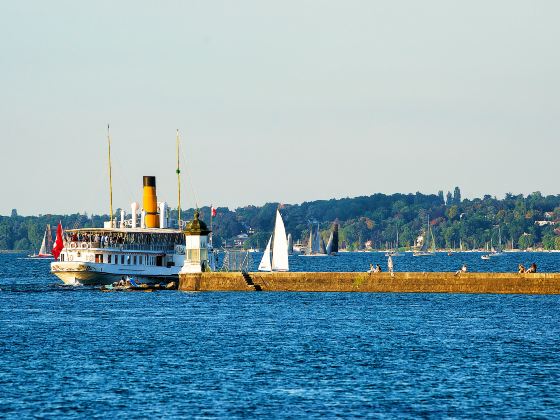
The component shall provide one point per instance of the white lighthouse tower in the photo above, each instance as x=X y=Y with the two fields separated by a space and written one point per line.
x=196 y=246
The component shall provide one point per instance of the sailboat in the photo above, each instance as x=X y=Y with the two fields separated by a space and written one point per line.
x=323 y=248
x=279 y=244
x=395 y=252
x=499 y=251
x=332 y=245
x=487 y=255
x=46 y=246
x=290 y=244
x=316 y=246
x=313 y=242
x=319 y=243
x=266 y=263
x=423 y=243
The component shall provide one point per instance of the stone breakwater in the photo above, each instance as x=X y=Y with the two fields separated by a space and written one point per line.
x=411 y=282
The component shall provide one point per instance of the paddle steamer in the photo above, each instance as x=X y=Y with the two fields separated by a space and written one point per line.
x=143 y=246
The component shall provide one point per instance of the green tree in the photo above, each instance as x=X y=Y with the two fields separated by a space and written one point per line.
x=457 y=196
x=448 y=199
x=452 y=212
x=549 y=241
x=525 y=241
x=22 y=245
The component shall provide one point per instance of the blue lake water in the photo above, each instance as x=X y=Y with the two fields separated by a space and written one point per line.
x=360 y=261
x=74 y=352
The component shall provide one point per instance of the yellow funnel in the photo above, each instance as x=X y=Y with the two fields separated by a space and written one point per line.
x=150 y=202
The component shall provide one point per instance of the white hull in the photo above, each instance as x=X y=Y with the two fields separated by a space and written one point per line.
x=395 y=254
x=94 y=274
x=496 y=254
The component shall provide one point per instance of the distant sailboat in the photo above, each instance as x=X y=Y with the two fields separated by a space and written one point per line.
x=266 y=264
x=332 y=245
x=279 y=261
x=317 y=242
x=316 y=245
x=46 y=246
x=395 y=252
x=487 y=256
x=423 y=243
x=499 y=251
x=313 y=243
x=323 y=249
x=290 y=244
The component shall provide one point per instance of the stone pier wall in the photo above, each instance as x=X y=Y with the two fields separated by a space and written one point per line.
x=539 y=283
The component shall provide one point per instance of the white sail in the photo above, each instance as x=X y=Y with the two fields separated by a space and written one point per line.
x=280 y=246
x=43 y=249
x=323 y=248
x=316 y=248
x=265 y=261
x=330 y=243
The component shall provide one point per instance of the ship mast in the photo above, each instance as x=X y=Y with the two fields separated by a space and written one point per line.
x=110 y=177
x=178 y=185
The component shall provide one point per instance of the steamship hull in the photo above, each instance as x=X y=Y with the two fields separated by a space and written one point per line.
x=88 y=274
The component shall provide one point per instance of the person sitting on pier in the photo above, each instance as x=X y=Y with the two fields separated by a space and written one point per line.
x=520 y=268
x=532 y=269
x=463 y=269
x=378 y=269
x=371 y=269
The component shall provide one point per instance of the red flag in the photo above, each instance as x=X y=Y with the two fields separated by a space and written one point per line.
x=214 y=212
x=58 y=243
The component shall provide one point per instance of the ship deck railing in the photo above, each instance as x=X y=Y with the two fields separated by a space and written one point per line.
x=83 y=246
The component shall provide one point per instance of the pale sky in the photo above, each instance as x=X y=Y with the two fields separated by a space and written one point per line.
x=284 y=101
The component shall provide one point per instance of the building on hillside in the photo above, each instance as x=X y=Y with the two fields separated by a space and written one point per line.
x=544 y=222
x=240 y=240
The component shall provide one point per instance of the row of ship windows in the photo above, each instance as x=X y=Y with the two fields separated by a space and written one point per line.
x=156 y=260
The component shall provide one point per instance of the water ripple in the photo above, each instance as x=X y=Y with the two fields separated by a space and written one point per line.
x=73 y=352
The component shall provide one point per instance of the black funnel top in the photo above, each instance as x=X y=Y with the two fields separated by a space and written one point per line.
x=149 y=181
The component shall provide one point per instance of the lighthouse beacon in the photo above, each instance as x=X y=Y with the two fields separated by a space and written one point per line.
x=196 y=246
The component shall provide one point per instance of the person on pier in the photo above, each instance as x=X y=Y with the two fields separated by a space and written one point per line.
x=463 y=269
